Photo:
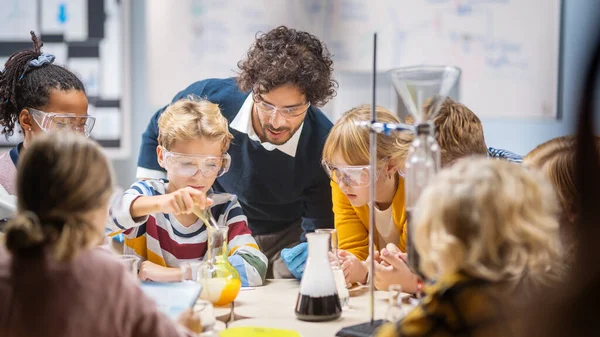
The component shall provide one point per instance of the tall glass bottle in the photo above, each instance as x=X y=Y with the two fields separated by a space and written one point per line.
x=422 y=164
x=423 y=90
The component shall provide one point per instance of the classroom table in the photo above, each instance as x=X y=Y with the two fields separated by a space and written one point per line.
x=272 y=305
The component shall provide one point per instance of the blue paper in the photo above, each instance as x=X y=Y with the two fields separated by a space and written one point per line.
x=172 y=298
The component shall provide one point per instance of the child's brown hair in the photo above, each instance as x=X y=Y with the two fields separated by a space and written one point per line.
x=61 y=177
x=458 y=131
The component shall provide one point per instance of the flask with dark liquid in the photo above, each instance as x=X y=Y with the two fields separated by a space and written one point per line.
x=318 y=298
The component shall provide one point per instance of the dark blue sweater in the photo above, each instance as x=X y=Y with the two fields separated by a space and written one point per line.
x=274 y=189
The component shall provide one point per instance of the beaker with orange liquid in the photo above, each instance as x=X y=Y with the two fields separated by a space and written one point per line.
x=220 y=281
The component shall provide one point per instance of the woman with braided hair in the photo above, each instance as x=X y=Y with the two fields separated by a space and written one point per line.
x=39 y=96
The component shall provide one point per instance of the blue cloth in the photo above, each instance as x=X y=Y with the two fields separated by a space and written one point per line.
x=42 y=60
x=15 y=152
x=38 y=62
x=295 y=259
x=505 y=155
x=274 y=189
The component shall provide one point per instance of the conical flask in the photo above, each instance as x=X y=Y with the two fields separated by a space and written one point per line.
x=318 y=298
x=422 y=89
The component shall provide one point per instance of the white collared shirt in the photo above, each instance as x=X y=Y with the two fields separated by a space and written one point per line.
x=243 y=123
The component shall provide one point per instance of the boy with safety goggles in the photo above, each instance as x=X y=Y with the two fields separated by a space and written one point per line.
x=157 y=216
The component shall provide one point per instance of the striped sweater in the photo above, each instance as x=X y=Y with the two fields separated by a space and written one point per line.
x=162 y=239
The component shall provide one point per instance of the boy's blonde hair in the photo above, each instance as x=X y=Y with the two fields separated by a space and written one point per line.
x=61 y=177
x=458 y=131
x=492 y=220
x=191 y=118
x=352 y=141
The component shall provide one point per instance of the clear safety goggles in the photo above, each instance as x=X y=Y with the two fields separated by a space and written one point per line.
x=186 y=165
x=354 y=175
x=350 y=175
x=49 y=121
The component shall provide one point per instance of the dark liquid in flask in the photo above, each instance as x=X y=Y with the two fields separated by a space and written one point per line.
x=318 y=309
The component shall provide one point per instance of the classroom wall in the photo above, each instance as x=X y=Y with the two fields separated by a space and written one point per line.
x=581 y=30
x=141 y=111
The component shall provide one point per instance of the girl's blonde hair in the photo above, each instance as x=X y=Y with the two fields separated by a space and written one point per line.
x=556 y=159
x=191 y=118
x=491 y=219
x=351 y=141
x=62 y=176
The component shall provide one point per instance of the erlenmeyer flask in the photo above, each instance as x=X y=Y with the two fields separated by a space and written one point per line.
x=318 y=298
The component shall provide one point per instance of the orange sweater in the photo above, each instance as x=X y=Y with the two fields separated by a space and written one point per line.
x=352 y=223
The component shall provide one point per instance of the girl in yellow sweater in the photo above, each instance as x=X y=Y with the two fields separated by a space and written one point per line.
x=346 y=160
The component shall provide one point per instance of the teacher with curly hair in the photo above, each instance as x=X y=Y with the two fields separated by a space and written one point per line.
x=279 y=133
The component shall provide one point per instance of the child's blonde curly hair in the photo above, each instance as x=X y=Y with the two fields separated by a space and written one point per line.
x=492 y=220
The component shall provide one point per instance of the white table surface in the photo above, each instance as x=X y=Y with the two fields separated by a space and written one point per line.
x=272 y=305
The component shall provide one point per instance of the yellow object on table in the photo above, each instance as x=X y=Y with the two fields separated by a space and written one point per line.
x=253 y=331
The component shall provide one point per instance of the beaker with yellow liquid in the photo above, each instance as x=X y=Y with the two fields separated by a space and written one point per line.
x=220 y=281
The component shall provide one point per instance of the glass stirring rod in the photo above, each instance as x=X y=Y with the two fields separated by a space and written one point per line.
x=206 y=216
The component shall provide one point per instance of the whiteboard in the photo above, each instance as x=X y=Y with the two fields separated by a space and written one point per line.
x=91 y=38
x=508 y=50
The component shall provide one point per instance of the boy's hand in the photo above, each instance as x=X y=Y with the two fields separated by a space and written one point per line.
x=153 y=272
x=183 y=201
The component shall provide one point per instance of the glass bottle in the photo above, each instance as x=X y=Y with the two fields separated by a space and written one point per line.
x=422 y=164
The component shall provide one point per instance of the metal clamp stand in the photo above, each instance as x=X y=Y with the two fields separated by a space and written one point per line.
x=369 y=328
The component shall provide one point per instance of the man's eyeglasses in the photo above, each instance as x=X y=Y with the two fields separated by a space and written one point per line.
x=48 y=121
x=291 y=112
